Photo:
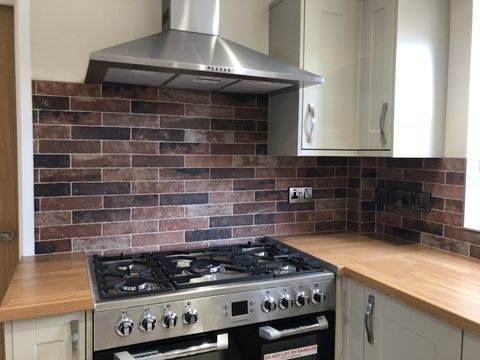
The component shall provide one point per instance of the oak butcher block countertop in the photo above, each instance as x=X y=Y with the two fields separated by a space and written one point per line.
x=442 y=284
x=47 y=285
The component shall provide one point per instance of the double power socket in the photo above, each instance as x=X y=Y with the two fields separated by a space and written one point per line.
x=298 y=195
x=404 y=199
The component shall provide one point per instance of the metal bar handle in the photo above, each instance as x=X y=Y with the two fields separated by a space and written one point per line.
x=383 y=115
x=270 y=333
x=221 y=344
x=313 y=123
x=7 y=235
x=368 y=319
x=75 y=336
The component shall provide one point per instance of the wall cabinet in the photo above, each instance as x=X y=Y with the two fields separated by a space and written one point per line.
x=393 y=330
x=385 y=64
x=61 y=337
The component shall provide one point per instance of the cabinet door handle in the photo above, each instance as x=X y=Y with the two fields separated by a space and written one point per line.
x=75 y=334
x=313 y=122
x=383 y=115
x=368 y=318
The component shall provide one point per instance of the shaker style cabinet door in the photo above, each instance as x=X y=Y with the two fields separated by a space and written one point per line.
x=330 y=49
x=376 y=64
x=59 y=337
x=471 y=347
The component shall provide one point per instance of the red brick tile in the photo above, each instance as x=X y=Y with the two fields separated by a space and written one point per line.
x=130 y=120
x=444 y=217
x=163 y=212
x=450 y=245
x=175 y=122
x=254 y=208
x=71 y=203
x=69 y=118
x=455 y=178
x=51 y=132
x=208 y=210
x=232 y=197
x=390 y=219
x=160 y=161
x=296 y=161
x=124 y=91
x=183 y=224
x=445 y=191
x=208 y=185
x=56 y=246
x=96 y=104
x=69 y=175
x=160 y=238
x=184 y=148
x=251 y=113
x=67 y=89
x=51 y=102
x=69 y=147
x=208 y=161
x=307 y=216
x=286 y=183
x=249 y=231
x=454 y=206
x=295 y=228
x=209 y=111
x=130 y=227
x=184 y=174
x=70 y=231
x=251 y=138
x=130 y=174
x=274 y=218
x=53 y=218
x=102 y=243
x=255 y=161
x=205 y=136
x=457 y=233
x=425 y=176
x=97 y=161
x=276 y=173
x=233 y=149
x=450 y=164
x=184 y=96
x=155 y=187
x=129 y=147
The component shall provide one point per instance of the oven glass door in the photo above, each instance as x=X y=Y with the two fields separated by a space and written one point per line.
x=220 y=345
x=307 y=338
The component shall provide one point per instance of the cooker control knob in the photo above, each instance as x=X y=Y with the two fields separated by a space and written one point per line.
x=285 y=302
x=269 y=304
x=190 y=316
x=169 y=320
x=124 y=326
x=302 y=299
x=147 y=323
x=318 y=297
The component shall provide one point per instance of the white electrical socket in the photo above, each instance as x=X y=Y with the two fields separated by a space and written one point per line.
x=298 y=195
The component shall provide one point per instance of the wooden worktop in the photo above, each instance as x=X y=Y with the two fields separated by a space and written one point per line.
x=442 y=284
x=47 y=285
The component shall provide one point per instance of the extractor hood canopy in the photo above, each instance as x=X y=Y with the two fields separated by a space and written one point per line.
x=189 y=54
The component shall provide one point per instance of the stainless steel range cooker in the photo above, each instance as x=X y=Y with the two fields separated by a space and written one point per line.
x=260 y=300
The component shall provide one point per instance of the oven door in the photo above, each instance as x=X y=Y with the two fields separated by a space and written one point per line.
x=310 y=337
x=220 y=345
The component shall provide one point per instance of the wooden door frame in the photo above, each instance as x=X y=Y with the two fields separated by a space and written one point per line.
x=23 y=92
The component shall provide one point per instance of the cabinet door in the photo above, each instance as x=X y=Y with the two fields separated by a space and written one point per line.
x=51 y=338
x=330 y=49
x=353 y=315
x=401 y=332
x=377 y=24
x=471 y=347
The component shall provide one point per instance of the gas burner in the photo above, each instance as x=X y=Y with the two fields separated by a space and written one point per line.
x=285 y=269
x=125 y=266
x=134 y=284
x=260 y=253
x=204 y=266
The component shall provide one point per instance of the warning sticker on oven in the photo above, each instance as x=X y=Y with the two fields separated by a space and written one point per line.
x=292 y=353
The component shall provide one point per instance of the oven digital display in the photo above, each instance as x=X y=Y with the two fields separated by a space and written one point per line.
x=239 y=308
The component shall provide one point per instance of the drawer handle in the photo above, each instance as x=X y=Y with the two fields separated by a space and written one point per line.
x=313 y=122
x=270 y=333
x=383 y=115
x=368 y=319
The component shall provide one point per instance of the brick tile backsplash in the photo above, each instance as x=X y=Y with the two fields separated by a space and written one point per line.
x=132 y=168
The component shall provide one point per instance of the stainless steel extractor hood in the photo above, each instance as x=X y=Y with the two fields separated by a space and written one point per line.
x=189 y=54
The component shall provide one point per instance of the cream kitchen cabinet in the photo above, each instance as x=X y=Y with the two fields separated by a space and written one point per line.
x=61 y=337
x=471 y=347
x=319 y=36
x=378 y=327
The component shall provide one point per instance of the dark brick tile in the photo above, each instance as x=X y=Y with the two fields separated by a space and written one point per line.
x=261 y=149
x=404 y=185
x=315 y=172
x=401 y=233
x=184 y=96
x=100 y=216
x=455 y=206
x=235 y=220
x=69 y=118
x=184 y=199
x=251 y=137
x=438 y=203
x=100 y=133
x=184 y=174
x=124 y=91
x=184 y=148
x=56 y=246
x=160 y=108
x=444 y=217
x=130 y=227
x=332 y=161
x=103 y=188
x=209 y=111
x=130 y=201
x=153 y=187
x=323 y=194
x=322 y=215
x=450 y=164
x=208 y=161
x=129 y=147
x=294 y=228
x=231 y=197
x=69 y=147
x=274 y=218
x=60 y=189
x=404 y=163
x=157 y=161
x=130 y=174
x=233 y=125
x=251 y=113
x=295 y=161
x=285 y=206
x=36 y=203
x=253 y=161
x=276 y=173
x=51 y=102
x=251 y=231
x=97 y=104
x=51 y=161
x=475 y=251
x=340 y=193
x=210 y=234
x=425 y=176
x=71 y=203
x=130 y=120
x=450 y=245
x=70 y=231
x=369 y=172
x=69 y=175
x=183 y=224
x=158 y=134
x=330 y=226
x=254 y=208
x=232 y=173
x=390 y=219
x=208 y=185
x=244 y=100
x=271 y=195
x=232 y=149
x=465 y=235
x=103 y=161
x=367 y=205
x=67 y=89
x=204 y=136
x=264 y=184
x=455 y=178
x=423 y=226
x=262 y=126
x=174 y=122
x=262 y=101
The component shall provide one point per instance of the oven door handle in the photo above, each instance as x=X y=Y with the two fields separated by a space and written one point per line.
x=221 y=344
x=270 y=333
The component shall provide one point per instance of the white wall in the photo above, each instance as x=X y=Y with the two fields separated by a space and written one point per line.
x=64 y=32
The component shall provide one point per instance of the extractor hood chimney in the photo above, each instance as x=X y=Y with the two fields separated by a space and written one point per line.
x=190 y=54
